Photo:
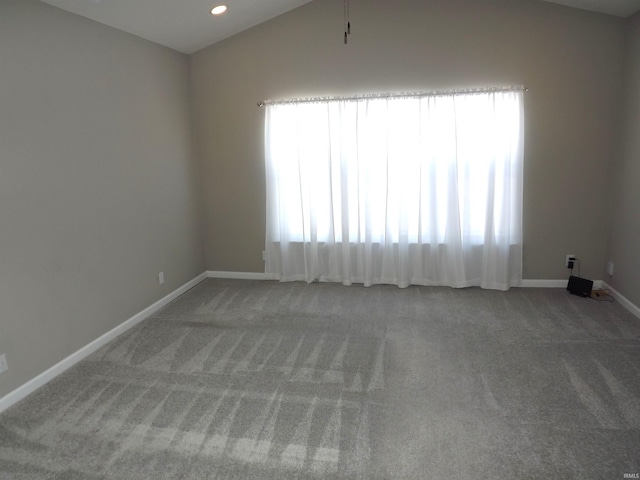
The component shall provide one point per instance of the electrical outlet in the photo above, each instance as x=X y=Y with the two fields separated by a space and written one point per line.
x=610 y=268
x=161 y=278
x=3 y=363
x=570 y=258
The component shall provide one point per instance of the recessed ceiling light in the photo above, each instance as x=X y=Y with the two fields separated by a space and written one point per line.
x=219 y=9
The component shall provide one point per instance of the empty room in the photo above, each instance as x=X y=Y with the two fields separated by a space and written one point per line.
x=319 y=239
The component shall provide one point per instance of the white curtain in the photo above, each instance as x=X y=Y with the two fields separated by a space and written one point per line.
x=423 y=190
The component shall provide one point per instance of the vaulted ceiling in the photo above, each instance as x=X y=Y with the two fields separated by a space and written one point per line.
x=187 y=25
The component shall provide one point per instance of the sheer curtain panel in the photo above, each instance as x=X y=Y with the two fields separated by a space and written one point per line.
x=423 y=190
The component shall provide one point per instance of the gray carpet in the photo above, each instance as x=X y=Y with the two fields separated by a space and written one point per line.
x=261 y=380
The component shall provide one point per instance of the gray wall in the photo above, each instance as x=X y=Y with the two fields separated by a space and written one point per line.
x=96 y=182
x=625 y=230
x=571 y=61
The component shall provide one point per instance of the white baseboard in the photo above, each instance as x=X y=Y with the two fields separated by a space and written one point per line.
x=544 y=283
x=622 y=300
x=553 y=283
x=49 y=374
x=240 y=275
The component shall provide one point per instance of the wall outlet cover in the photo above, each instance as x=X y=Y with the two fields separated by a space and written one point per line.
x=610 y=268
x=3 y=363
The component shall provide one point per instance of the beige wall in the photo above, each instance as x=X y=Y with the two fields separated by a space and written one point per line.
x=96 y=182
x=625 y=231
x=571 y=61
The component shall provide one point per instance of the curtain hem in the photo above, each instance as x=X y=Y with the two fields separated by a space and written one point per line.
x=389 y=281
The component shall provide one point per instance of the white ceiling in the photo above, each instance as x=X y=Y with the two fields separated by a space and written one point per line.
x=619 y=8
x=187 y=25
x=184 y=25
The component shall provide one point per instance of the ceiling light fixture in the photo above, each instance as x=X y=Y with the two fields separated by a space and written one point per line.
x=218 y=10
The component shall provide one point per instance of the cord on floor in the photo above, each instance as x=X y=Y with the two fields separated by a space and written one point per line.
x=602 y=295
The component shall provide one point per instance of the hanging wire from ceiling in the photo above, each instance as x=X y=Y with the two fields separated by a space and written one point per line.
x=347 y=22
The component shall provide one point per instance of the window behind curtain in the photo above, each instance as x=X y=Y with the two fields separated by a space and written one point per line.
x=408 y=190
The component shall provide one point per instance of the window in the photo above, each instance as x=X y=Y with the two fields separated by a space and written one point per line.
x=413 y=189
